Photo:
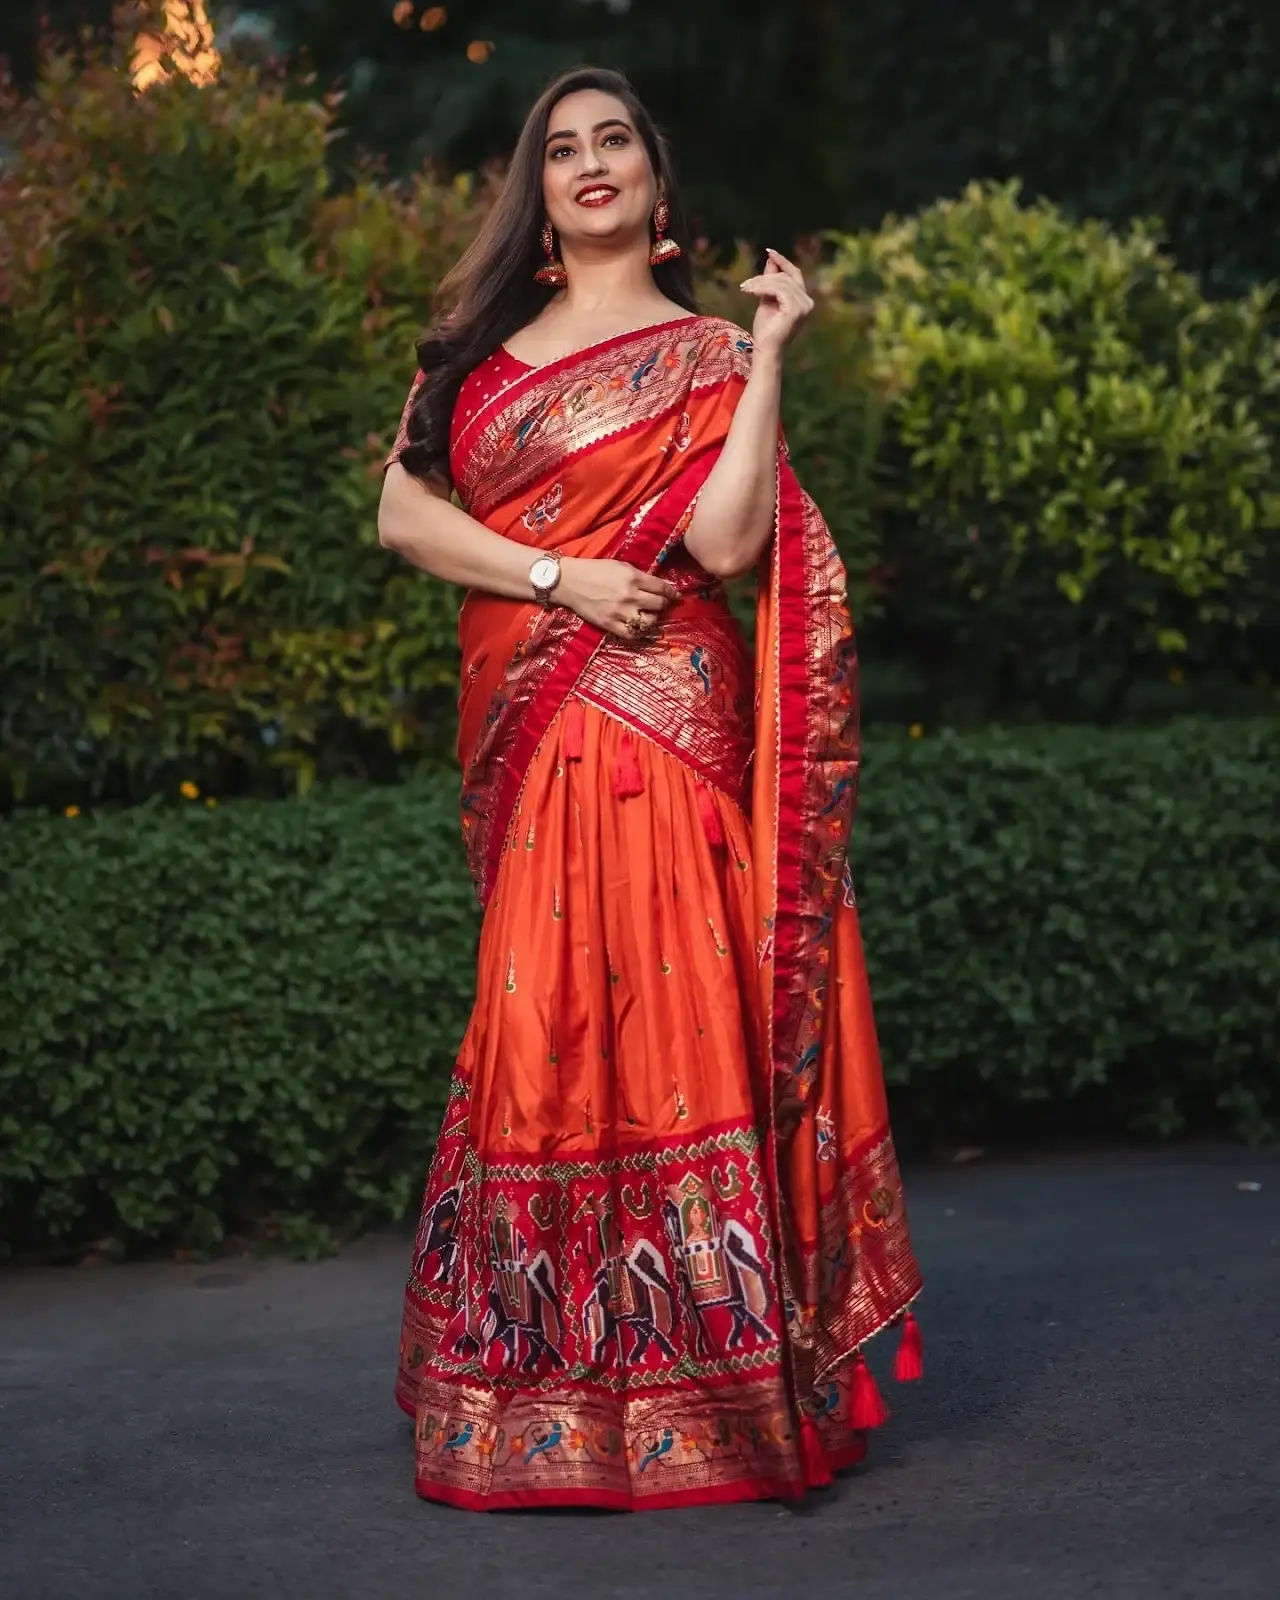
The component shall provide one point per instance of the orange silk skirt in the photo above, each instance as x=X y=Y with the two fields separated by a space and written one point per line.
x=594 y=1312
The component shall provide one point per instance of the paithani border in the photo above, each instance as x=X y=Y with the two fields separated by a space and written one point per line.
x=686 y=1446
x=549 y=369
x=664 y=365
x=541 y=676
x=817 y=768
x=653 y=691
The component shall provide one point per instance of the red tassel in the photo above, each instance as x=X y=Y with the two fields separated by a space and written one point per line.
x=574 y=722
x=813 y=1458
x=908 y=1364
x=711 y=824
x=866 y=1405
x=628 y=780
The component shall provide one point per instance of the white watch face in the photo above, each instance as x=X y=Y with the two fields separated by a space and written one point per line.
x=544 y=573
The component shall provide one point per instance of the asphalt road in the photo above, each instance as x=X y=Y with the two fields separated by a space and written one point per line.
x=1100 y=1417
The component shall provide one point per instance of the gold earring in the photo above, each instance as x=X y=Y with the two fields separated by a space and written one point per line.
x=552 y=272
x=663 y=249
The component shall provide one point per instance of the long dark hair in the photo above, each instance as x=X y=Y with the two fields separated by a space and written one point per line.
x=491 y=294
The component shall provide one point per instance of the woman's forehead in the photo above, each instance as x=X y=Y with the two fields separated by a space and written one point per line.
x=578 y=113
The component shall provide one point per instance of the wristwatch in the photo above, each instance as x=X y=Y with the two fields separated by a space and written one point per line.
x=544 y=574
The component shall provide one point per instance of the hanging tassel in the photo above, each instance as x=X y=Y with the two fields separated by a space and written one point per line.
x=866 y=1405
x=711 y=824
x=574 y=722
x=908 y=1364
x=813 y=1458
x=628 y=780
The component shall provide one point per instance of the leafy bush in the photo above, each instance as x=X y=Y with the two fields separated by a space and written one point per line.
x=203 y=355
x=231 y=1014
x=204 y=350
x=219 y=1017
x=1076 y=480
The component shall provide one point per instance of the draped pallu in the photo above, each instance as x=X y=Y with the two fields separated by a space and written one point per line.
x=664 y=1212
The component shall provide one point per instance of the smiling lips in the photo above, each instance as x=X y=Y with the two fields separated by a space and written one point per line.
x=599 y=194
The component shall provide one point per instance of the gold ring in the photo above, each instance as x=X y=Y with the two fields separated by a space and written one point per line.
x=638 y=624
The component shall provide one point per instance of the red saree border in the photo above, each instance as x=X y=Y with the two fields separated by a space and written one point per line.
x=816 y=782
x=559 y=414
x=603 y=1500
x=551 y=369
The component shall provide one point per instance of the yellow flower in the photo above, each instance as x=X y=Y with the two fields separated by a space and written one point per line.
x=916 y=730
x=72 y=811
x=211 y=802
x=189 y=790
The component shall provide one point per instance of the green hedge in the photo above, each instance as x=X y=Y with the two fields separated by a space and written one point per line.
x=204 y=352
x=245 y=1017
x=1077 y=481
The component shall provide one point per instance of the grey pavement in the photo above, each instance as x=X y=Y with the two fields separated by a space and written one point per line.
x=1100 y=1417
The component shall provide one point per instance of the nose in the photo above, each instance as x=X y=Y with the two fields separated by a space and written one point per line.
x=592 y=163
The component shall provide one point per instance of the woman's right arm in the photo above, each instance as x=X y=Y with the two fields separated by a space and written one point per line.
x=422 y=524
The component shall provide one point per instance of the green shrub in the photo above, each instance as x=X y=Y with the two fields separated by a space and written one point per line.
x=1076 y=480
x=219 y=1017
x=204 y=350
x=214 y=1016
x=203 y=356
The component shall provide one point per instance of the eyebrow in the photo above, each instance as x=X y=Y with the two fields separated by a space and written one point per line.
x=609 y=122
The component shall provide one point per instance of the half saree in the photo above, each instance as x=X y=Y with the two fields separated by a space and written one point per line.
x=664 y=1213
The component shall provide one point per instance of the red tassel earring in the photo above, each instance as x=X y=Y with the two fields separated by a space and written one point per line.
x=663 y=249
x=552 y=272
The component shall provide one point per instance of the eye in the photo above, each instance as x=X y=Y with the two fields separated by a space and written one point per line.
x=614 y=138
x=559 y=150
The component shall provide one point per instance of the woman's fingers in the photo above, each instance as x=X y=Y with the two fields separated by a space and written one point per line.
x=656 y=585
x=778 y=260
x=776 y=285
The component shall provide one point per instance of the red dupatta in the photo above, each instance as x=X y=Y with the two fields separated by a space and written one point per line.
x=603 y=454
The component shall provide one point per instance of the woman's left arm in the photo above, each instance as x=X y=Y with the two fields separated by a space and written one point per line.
x=734 y=517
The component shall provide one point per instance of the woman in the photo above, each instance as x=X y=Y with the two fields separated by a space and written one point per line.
x=664 y=1213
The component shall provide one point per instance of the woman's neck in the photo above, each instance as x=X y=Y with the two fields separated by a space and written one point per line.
x=601 y=287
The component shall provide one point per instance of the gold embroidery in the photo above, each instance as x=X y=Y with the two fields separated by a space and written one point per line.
x=642 y=1207
x=511 y=973
x=500 y=1441
x=685 y=690
x=682 y=1110
x=721 y=949
x=545 y=424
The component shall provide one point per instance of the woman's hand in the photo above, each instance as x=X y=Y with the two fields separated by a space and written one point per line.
x=784 y=303
x=615 y=596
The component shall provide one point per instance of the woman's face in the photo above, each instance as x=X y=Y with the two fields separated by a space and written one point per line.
x=597 y=183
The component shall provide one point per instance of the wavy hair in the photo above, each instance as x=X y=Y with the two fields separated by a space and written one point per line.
x=490 y=294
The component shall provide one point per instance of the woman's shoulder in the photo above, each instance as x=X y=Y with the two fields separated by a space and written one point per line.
x=722 y=340
x=723 y=331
